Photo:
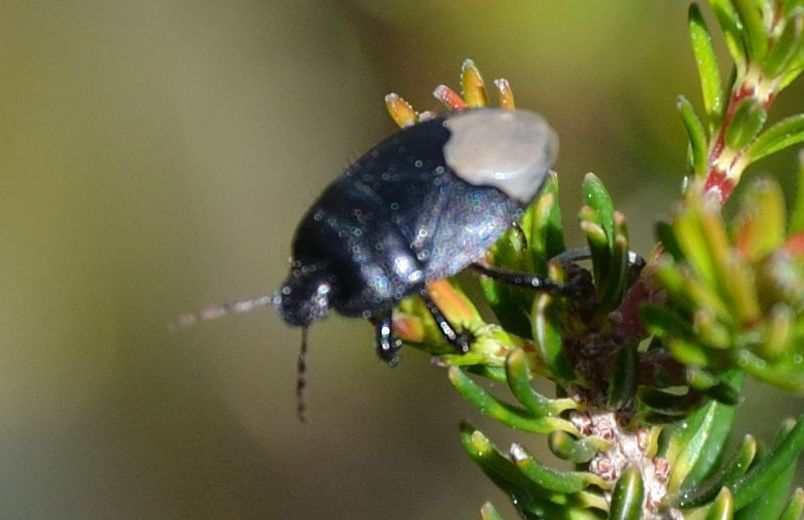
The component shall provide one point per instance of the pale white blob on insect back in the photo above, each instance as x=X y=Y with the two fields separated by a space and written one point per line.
x=511 y=150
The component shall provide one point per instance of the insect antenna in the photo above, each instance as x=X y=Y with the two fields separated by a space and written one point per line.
x=222 y=309
x=301 y=377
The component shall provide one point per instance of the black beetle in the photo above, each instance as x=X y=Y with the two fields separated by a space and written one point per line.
x=422 y=205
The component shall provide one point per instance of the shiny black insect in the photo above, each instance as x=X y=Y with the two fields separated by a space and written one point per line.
x=422 y=205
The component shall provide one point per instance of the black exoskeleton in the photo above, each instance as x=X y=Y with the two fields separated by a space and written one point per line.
x=402 y=216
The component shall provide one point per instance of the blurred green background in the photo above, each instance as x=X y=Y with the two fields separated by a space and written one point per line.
x=156 y=156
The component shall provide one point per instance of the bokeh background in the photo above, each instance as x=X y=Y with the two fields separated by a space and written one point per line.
x=155 y=156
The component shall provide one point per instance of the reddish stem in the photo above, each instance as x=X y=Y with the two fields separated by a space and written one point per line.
x=718 y=181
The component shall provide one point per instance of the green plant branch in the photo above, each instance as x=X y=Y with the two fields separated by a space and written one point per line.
x=648 y=357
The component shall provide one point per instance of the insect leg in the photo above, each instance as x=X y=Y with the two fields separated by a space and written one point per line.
x=461 y=341
x=575 y=286
x=583 y=253
x=532 y=281
x=387 y=344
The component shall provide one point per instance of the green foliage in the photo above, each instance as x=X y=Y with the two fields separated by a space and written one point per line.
x=764 y=39
x=626 y=501
x=704 y=52
x=735 y=294
x=648 y=358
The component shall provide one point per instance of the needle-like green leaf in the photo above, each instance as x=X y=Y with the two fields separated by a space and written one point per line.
x=696 y=134
x=795 y=507
x=552 y=480
x=747 y=121
x=706 y=59
x=579 y=451
x=696 y=445
x=494 y=408
x=626 y=500
x=785 y=133
x=597 y=197
x=616 y=278
x=502 y=471
x=772 y=501
x=731 y=26
x=664 y=234
x=754 y=29
x=738 y=465
x=712 y=436
x=784 y=49
x=761 y=476
x=547 y=336
x=760 y=225
x=518 y=377
x=723 y=506
x=543 y=228
x=531 y=500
